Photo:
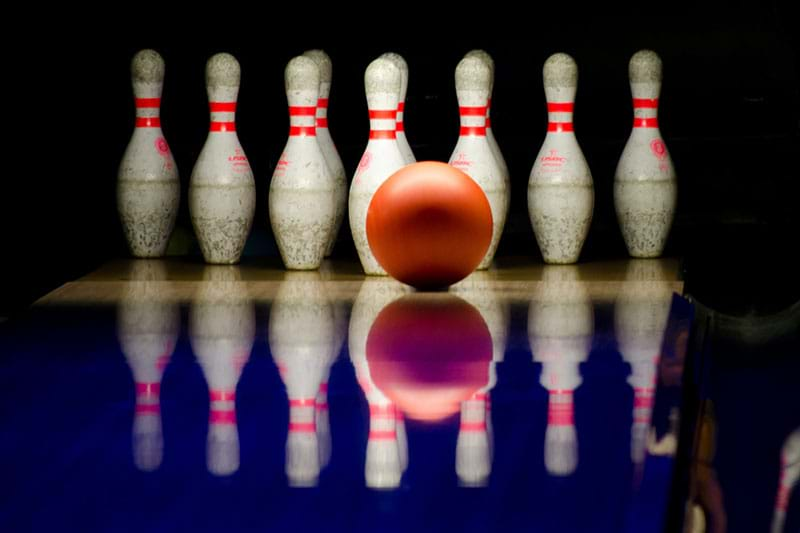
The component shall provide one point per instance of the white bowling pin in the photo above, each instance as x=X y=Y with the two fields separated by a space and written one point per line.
x=641 y=313
x=387 y=449
x=645 y=187
x=221 y=332
x=402 y=141
x=498 y=154
x=301 y=194
x=790 y=473
x=560 y=328
x=472 y=154
x=222 y=197
x=301 y=339
x=327 y=145
x=381 y=159
x=560 y=188
x=147 y=330
x=148 y=190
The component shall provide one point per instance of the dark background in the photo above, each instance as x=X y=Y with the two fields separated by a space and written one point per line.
x=729 y=114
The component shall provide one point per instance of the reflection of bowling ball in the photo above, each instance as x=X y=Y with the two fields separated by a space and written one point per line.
x=429 y=225
x=429 y=352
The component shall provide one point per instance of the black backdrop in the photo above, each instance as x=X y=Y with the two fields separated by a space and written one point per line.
x=730 y=109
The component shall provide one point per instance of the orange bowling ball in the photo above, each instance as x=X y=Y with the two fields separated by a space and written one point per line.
x=429 y=225
x=428 y=352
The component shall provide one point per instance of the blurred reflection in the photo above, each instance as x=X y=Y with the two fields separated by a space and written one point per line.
x=560 y=328
x=790 y=473
x=147 y=329
x=302 y=336
x=221 y=331
x=387 y=447
x=640 y=319
x=475 y=445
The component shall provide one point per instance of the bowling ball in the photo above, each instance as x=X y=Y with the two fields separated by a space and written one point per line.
x=428 y=352
x=429 y=225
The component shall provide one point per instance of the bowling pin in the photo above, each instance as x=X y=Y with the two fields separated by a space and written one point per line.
x=148 y=190
x=221 y=332
x=147 y=330
x=402 y=141
x=498 y=154
x=301 y=194
x=560 y=328
x=472 y=154
x=790 y=473
x=222 y=196
x=560 y=189
x=641 y=313
x=645 y=187
x=301 y=339
x=326 y=144
x=382 y=157
x=387 y=448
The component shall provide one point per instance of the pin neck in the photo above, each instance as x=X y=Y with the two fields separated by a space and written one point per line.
x=559 y=117
x=473 y=121
x=302 y=415
x=322 y=113
x=223 y=116
x=400 y=111
x=383 y=124
x=302 y=121
x=645 y=112
x=147 y=112
x=560 y=408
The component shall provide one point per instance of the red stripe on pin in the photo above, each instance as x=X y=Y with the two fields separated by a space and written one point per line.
x=382 y=113
x=302 y=111
x=219 y=416
x=323 y=387
x=302 y=402
x=322 y=122
x=148 y=122
x=400 y=126
x=645 y=122
x=302 y=427
x=322 y=102
x=385 y=411
x=401 y=106
x=382 y=134
x=322 y=407
x=559 y=126
x=222 y=107
x=478 y=131
x=222 y=126
x=148 y=409
x=302 y=131
x=147 y=389
x=645 y=103
x=383 y=435
x=488 y=122
x=147 y=103
x=217 y=395
x=473 y=426
x=560 y=107
x=472 y=111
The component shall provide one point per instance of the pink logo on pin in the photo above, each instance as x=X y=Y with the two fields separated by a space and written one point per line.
x=365 y=162
x=658 y=148
x=162 y=146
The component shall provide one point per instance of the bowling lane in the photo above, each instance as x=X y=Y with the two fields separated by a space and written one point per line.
x=164 y=396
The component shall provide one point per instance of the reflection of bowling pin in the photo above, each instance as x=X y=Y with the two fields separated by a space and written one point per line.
x=560 y=189
x=147 y=329
x=301 y=339
x=148 y=191
x=326 y=144
x=560 y=327
x=476 y=289
x=222 y=197
x=402 y=141
x=472 y=154
x=387 y=451
x=790 y=473
x=381 y=159
x=221 y=331
x=640 y=318
x=645 y=189
x=301 y=194
x=498 y=155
